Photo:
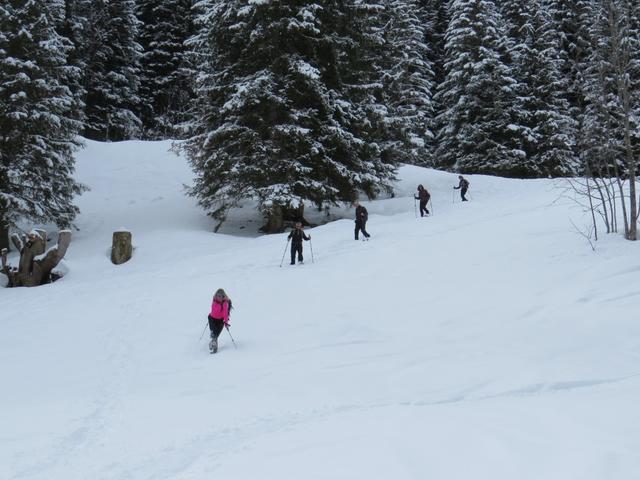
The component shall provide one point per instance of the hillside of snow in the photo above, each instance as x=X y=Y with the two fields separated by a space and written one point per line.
x=487 y=341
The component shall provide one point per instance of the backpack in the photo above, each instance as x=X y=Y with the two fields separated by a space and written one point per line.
x=465 y=183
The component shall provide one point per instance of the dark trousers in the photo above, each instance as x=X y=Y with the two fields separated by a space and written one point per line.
x=463 y=191
x=296 y=248
x=423 y=208
x=215 y=325
x=360 y=227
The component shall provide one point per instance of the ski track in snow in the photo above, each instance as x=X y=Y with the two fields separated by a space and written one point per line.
x=484 y=341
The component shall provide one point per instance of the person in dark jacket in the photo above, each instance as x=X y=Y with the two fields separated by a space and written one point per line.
x=423 y=196
x=463 y=186
x=296 y=236
x=361 y=220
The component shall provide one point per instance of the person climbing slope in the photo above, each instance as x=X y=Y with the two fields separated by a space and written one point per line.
x=296 y=236
x=463 y=186
x=361 y=220
x=218 y=317
x=423 y=196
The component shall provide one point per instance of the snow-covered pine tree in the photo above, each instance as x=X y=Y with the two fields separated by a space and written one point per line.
x=362 y=67
x=571 y=19
x=437 y=21
x=476 y=129
x=408 y=80
x=38 y=131
x=514 y=15
x=549 y=132
x=274 y=122
x=74 y=25
x=165 y=83
x=112 y=75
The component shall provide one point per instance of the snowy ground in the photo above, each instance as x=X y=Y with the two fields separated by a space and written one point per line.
x=485 y=342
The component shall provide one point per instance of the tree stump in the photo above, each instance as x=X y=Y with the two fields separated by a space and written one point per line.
x=121 y=248
x=35 y=264
x=295 y=214
x=43 y=237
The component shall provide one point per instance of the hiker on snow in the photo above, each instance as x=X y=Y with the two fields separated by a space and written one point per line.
x=296 y=236
x=219 y=317
x=423 y=196
x=361 y=220
x=463 y=186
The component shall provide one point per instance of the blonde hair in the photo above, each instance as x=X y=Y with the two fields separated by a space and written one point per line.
x=221 y=291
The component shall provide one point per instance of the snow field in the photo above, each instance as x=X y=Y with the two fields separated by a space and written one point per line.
x=486 y=341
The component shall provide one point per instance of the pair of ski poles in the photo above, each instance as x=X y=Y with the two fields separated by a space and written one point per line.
x=226 y=326
x=285 y=252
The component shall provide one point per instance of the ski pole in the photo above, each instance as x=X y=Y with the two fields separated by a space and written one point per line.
x=285 y=252
x=453 y=193
x=311 y=245
x=431 y=202
x=415 y=207
x=206 y=324
x=229 y=331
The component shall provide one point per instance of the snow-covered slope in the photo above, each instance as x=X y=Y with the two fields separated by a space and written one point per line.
x=487 y=341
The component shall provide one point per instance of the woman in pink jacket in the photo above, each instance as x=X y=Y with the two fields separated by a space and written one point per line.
x=219 y=317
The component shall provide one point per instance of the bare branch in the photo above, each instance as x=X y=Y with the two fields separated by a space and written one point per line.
x=583 y=234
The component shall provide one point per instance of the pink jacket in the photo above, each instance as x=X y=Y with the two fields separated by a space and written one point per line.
x=220 y=310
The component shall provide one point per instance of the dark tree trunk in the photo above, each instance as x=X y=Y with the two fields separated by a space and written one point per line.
x=275 y=220
x=4 y=235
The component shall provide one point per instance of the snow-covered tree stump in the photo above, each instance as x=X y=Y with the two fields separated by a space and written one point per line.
x=121 y=247
x=35 y=264
x=43 y=237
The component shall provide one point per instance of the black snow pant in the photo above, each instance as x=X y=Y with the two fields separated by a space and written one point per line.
x=296 y=248
x=215 y=325
x=423 y=208
x=360 y=227
x=463 y=191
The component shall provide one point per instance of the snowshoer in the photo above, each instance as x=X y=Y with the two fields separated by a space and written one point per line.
x=423 y=196
x=296 y=236
x=463 y=186
x=361 y=220
x=219 y=317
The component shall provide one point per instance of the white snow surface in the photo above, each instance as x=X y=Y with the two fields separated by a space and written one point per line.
x=484 y=342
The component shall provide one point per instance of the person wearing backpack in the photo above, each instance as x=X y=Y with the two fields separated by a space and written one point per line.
x=423 y=196
x=296 y=236
x=463 y=186
x=361 y=220
x=218 y=317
